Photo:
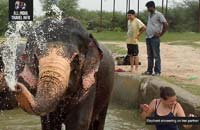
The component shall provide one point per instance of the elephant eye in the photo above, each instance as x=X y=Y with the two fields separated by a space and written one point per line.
x=75 y=64
x=76 y=59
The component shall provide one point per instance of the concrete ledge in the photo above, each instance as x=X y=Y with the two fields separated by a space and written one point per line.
x=126 y=88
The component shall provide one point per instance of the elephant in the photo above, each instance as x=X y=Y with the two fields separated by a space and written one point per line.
x=7 y=98
x=72 y=75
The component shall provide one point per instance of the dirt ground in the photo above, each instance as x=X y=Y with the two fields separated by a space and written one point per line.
x=179 y=62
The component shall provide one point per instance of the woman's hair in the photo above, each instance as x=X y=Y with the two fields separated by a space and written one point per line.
x=166 y=92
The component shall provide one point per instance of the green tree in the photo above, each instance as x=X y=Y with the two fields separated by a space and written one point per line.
x=3 y=16
x=184 y=16
x=47 y=4
x=69 y=7
x=90 y=19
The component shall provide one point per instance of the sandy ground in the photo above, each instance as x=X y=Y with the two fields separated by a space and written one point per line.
x=178 y=62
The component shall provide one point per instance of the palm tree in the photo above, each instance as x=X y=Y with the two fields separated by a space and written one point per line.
x=101 y=15
x=113 y=19
x=162 y=6
x=166 y=9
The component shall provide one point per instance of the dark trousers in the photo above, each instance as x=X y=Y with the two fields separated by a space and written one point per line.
x=153 y=53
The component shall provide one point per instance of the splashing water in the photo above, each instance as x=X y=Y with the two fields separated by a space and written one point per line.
x=10 y=47
x=9 y=52
x=63 y=127
x=57 y=11
x=38 y=10
x=13 y=38
x=41 y=39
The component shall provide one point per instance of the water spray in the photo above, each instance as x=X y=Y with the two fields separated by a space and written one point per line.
x=13 y=38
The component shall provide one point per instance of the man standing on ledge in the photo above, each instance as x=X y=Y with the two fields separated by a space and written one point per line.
x=157 y=25
x=135 y=29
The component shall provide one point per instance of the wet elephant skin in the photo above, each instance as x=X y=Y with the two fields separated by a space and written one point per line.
x=74 y=77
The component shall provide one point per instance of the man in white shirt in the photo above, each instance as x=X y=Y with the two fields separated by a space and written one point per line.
x=157 y=25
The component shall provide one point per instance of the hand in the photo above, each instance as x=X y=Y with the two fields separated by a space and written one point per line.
x=189 y=126
x=157 y=34
x=191 y=115
x=138 y=37
x=144 y=107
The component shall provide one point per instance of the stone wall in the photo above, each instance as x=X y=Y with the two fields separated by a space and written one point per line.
x=126 y=89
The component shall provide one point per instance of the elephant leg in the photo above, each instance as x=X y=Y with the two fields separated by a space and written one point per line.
x=45 y=123
x=52 y=121
x=81 y=114
x=98 y=123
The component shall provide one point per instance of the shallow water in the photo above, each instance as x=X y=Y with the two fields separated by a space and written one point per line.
x=118 y=118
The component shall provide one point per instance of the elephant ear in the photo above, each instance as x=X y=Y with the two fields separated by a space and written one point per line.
x=91 y=64
x=94 y=42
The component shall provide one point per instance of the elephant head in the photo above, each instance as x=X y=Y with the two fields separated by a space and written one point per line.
x=60 y=56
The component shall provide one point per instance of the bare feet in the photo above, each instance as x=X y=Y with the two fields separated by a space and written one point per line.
x=131 y=70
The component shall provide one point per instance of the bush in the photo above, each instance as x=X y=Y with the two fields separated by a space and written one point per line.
x=117 y=29
x=3 y=16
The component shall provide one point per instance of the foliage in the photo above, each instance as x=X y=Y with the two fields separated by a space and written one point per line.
x=3 y=16
x=182 y=17
x=69 y=7
x=117 y=29
x=46 y=4
x=91 y=20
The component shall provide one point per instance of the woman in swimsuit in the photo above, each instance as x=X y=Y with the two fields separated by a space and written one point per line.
x=167 y=107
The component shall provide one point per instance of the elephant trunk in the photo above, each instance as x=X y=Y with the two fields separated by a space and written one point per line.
x=54 y=72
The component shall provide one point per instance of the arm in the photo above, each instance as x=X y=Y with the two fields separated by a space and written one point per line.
x=165 y=28
x=165 y=25
x=142 y=29
x=147 y=110
x=181 y=113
